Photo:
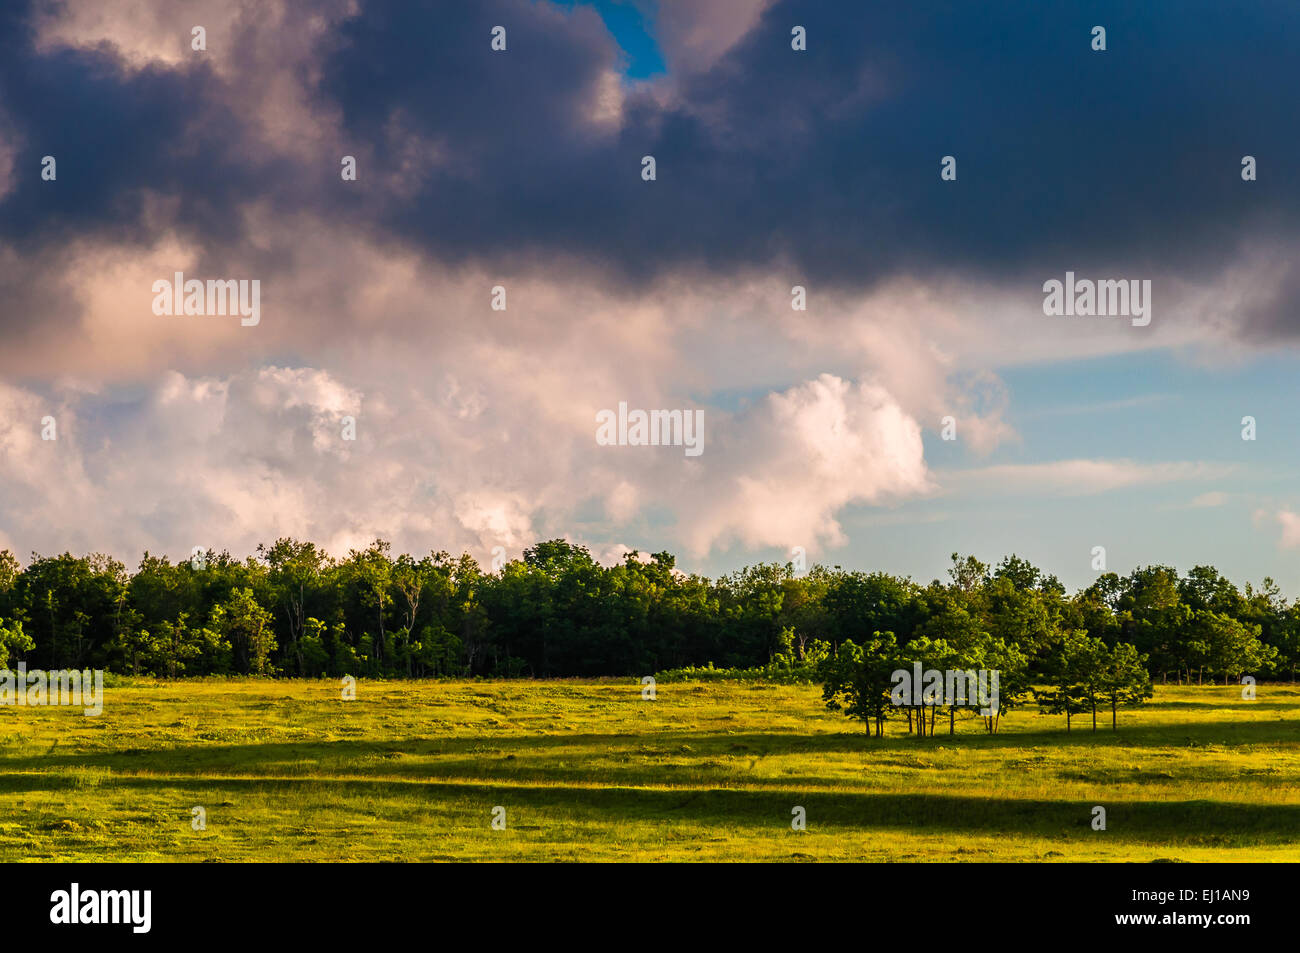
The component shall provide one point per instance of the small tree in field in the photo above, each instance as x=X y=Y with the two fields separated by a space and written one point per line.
x=1083 y=674
x=922 y=707
x=1069 y=659
x=856 y=679
x=1060 y=701
x=1013 y=667
x=1124 y=679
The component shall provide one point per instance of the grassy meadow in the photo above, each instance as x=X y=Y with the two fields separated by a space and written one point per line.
x=410 y=771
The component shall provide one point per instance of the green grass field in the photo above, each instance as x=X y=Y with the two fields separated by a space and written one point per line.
x=589 y=771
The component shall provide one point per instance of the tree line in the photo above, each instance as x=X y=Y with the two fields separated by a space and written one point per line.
x=293 y=610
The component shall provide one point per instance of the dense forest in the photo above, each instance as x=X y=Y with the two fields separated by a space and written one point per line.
x=293 y=610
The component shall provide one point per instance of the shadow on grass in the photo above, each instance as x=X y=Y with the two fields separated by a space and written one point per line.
x=691 y=758
x=489 y=747
x=732 y=812
x=1234 y=702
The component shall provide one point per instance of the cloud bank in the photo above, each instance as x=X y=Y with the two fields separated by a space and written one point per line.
x=521 y=170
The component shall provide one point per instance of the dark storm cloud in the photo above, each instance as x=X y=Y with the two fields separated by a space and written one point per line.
x=120 y=137
x=115 y=135
x=1125 y=162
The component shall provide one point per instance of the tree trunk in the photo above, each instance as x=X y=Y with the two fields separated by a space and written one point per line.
x=1113 y=704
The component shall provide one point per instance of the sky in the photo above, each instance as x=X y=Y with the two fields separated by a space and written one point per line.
x=384 y=391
